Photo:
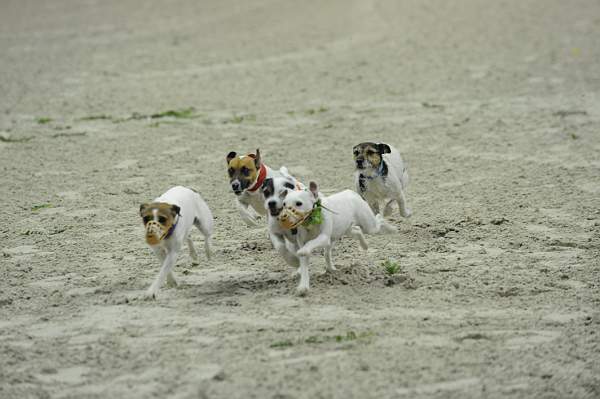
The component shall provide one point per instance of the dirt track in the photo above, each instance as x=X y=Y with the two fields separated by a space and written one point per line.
x=495 y=105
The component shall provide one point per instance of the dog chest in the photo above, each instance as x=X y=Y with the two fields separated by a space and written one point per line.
x=376 y=187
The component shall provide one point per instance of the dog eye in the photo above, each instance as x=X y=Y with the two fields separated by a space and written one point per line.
x=146 y=219
x=230 y=171
x=355 y=153
x=298 y=203
x=162 y=219
x=245 y=171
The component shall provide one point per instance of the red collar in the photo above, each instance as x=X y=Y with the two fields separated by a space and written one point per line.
x=262 y=173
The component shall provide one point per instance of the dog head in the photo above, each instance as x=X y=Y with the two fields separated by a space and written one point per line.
x=159 y=218
x=275 y=190
x=297 y=206
x=368 y=156
x=243 y=170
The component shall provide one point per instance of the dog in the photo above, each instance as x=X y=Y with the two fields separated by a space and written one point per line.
x=320 y=221
x=381 y=175
x=168 y=221
x=275 y=189
x=246 y=176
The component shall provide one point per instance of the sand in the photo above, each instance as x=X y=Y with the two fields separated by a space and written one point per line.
x=494 y=105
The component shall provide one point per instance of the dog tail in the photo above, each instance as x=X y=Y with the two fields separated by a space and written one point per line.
x=384 y=227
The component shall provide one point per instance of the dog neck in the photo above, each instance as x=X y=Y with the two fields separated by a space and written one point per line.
x=381 y=171
x=262 y=174
x=172 y=229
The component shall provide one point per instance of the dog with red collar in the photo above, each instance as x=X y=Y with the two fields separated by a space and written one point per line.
x=168 y=221
x=247 y=174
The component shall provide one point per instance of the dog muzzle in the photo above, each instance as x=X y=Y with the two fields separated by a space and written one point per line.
x=155 y=233
x=290 y=218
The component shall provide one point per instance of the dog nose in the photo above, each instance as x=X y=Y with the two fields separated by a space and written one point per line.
x=235 y=186
x=359 y=163
x=272 y=204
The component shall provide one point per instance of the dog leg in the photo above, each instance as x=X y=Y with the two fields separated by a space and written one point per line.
x=374 y=206
x=247 y=216
x=207 y=238
x=171 y=282
x=160 y=254
x=193 y=253
x=304 y=277
x=322 y=241
x=384 y=227
x=389 y=208
x=207 y=246
x=402 y=204
x=165 y=269
x=280 y=246
x=329 y=267
x=357 y=233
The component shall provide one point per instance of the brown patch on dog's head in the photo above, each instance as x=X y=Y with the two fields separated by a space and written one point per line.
x=369 y=155
x=158 y=218
x=242 y=170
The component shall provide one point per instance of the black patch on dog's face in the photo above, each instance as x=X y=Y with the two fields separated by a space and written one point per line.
x=268 y=188
x=274 y=195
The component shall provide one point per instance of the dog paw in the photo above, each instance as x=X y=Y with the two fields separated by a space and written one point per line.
x=303 y=252
x=406 y=213
x=302 y=290
x=195 y=262
x=330 y=269
x=389 y=209
x=150 y=295
x=172 y=283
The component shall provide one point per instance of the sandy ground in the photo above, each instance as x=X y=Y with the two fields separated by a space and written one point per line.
x=495 y=106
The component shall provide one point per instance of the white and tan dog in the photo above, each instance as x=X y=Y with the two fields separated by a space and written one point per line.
x=275 y=189
x=246 y=176
x=320 y=221
x=381 y=175
x=168 y=222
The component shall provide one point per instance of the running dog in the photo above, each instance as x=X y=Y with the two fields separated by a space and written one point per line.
x=381 y=175
x=320 y=221
x=246 y=176
x=168 y=222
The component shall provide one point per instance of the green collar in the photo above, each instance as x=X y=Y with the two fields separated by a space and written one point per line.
x=315 y=217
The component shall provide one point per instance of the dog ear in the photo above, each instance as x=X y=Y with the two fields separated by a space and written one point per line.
x=143 y=208
x=230 y=156
x=257 y=160
x=314 y=189
x=175 y=209
x=384 y=148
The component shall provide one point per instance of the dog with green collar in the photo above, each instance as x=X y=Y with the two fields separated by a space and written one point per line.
x=320 y=221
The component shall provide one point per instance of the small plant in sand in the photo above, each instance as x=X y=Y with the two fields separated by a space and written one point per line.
x=43 y=120
x=282 y=344
x=391 y=267
x=175 y=113
x=94 y=117
x=36 y=208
